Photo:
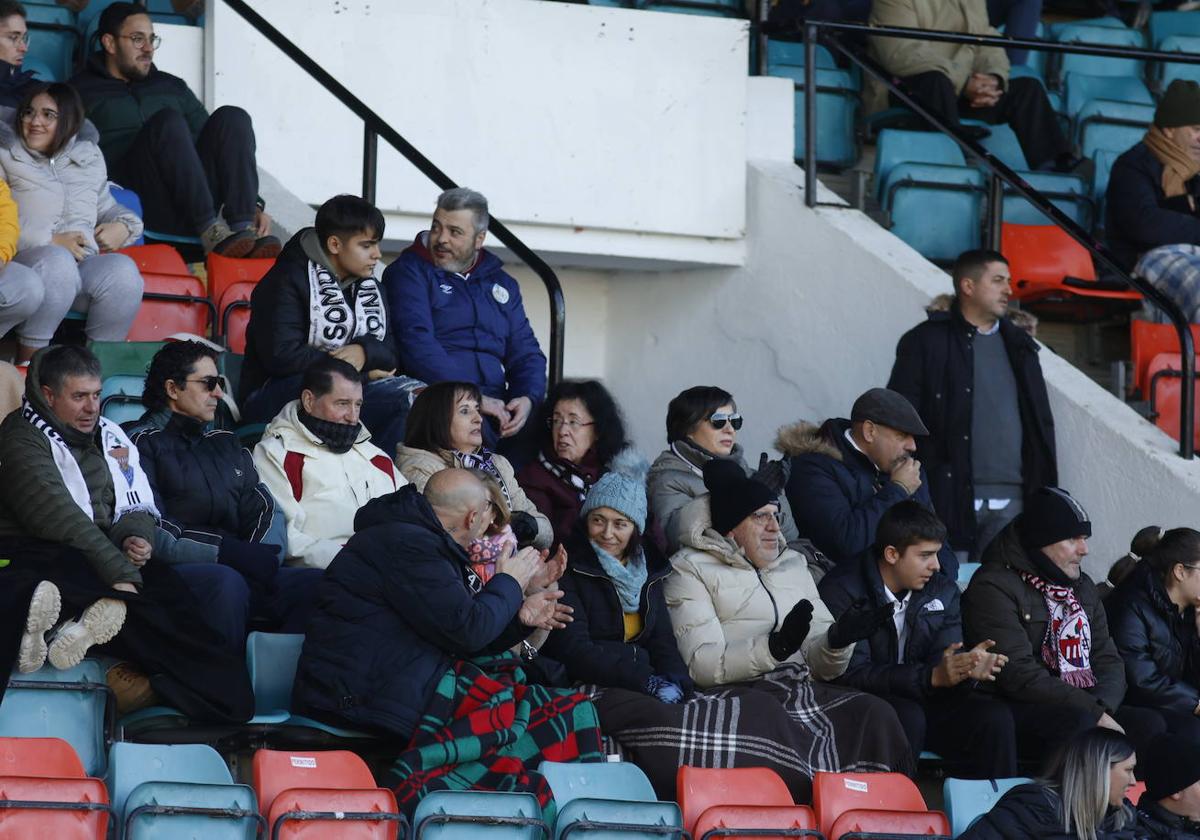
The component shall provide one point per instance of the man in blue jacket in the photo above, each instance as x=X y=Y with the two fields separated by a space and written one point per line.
x=845 y=474
x=915 y=661
x=458 y=315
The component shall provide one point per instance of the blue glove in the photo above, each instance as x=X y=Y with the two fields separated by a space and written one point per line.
x=663 y=689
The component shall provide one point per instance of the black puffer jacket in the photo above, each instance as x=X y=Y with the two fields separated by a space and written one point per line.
x=935 y=370
x=205 y=484
x=1157 y=823
x=593 y=646
x=1035 y=812
x=934 y=622
x=1158 y=643
x=393 y=613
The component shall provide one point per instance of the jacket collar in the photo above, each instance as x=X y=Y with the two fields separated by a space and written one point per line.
x=485 y=261
x=697 y=533
x=1161 y=816
x=289 y=418
x=186 y=427
x=873 y=580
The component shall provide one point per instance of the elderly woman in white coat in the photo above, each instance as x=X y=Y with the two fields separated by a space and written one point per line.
x=70 y=224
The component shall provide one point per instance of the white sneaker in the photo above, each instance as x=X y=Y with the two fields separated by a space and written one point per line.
x=100 y=623
x=43 y=612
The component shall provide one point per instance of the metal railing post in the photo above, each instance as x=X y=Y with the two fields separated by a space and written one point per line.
x=760 y=35
x=1187 y=396
x=370 y=162
x=810 y=114
x=995 y=217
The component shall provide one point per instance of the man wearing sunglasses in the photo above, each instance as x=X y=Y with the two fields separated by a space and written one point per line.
x=220 y=527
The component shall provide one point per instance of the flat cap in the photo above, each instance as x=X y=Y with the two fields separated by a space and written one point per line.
x=888 y=408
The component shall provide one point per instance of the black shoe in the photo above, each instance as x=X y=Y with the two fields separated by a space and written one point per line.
x=265 y=248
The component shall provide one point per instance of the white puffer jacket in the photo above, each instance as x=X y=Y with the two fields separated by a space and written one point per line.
x=68 y=192
x=418 y=464
x=723 y=609
x=318 y=490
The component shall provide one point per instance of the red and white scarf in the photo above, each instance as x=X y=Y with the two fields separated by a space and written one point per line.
x=1067 y=647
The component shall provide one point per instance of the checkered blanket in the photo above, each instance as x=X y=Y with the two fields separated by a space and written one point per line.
x=1175 y=269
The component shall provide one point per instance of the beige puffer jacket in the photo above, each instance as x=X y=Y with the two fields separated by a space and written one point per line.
x=418 y=464
x=722 y=609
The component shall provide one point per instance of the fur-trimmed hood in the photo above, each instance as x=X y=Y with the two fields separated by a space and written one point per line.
x=804 y=438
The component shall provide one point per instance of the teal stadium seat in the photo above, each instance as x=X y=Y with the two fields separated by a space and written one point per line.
x=1067 y=192
x=52 y=40
x=1081 y=88
x=1167 y=73
x=838 y=98
x=1084 y=33
x=595 y=795
x=1115 y=126
x=1163 y=25
x=478 y=815
x=121 y=398
x=966 y=800
x=72 y=705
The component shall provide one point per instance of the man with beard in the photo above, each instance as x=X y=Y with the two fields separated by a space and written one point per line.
x=975 y=378
x=845 y=474
x=459 y=317
x=318 y=461
x=158 y=140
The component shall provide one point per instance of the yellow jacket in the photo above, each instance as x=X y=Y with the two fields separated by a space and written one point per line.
x=10 y=228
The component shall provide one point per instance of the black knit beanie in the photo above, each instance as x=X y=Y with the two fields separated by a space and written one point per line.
x=1169 y=764
x=732 y=494
x=1180 y=105
x=1051 y=515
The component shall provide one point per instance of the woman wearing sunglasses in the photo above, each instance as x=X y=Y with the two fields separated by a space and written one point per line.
x=702 y=424
x=69 y=223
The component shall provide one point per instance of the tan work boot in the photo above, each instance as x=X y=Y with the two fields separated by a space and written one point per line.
x=130 y=687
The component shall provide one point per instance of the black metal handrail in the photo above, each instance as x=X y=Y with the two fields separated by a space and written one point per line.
x=374 y=128
x=827 y=32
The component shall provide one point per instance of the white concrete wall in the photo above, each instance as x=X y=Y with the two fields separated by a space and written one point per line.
x=600 y=134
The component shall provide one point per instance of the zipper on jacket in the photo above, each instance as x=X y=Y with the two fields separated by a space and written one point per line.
x=645 y=597
x=774 y=606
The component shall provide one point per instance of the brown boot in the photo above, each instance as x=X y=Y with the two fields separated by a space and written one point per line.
x=219 y=239
x=131 y=688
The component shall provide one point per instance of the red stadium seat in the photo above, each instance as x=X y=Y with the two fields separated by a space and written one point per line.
x=366 y=814
x=171 y=304
x=43 y=757
x=1164 y=391
x=25 y=814
x=157 y=259
x=1046 y=263
x=1135 y=792
x=224 y=272
x=235 y=319
x=700 y=788
x=1147 y=340
x=741 y=820
x=836 y=793
x=276 y=771
x=857 y=823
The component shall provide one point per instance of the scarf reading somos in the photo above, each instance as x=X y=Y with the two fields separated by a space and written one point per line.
x=131 y=489
x=1067 y=648
x=331 y=324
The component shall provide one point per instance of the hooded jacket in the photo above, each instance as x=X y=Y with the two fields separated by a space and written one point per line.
x=1139 y=214
x=35 y=502
x=277 y=335
x=393 y=614
x=838 y=496
x=67 y=192
x=319 y=490
x=120 y=109
x=205 y=487
x=467 y=327
x=933 y=619
x=1157 y=643
x=999 y=605
x=593 y=646
x=935 y=370
x=1036 y=811
x=722 y=608
x=418 y=464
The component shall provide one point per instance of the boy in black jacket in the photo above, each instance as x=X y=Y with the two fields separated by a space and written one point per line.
x=914 y=661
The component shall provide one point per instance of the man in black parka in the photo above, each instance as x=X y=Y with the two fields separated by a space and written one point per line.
x=976 y=381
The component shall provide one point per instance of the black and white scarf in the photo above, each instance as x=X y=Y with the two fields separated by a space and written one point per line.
x=482 y=460
x=567 y=476
x=331 y=323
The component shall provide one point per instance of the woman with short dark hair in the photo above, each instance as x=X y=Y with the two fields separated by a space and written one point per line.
x=583 y=431
x=70 y=223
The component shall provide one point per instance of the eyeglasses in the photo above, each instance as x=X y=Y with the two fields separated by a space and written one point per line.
x=210 y=383
x=720 y=418
x=572 y=424
x=17 y=38
x=139 y=40
x=47 y=114
x=761 y=519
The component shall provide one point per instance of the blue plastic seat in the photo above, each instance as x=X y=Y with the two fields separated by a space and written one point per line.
x=1003 y=144
x=1164 y=25
x=456 y=815
x=1169 y=72
x=183 y=811
x=129 y=765
x=1116 y=126
x=52 y=39
x=965 y=571
x=70 y=704
x=1116 y=36
x=43 y=70
x=121 y=398
x=966 y=800
x=130 y=200
x=895 y=147
x=1066 y=192
x=614 y=819
x=1081 y=88
x=838 y=98
x=596 y=780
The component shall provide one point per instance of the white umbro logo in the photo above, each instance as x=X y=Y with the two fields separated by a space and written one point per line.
x=446 y=289
x=237 y=472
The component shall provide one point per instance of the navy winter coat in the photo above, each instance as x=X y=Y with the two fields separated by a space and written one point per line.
x=1139 y=214
x=933 y=618
x=838 y=496
x=935 y=370
x=593 y=646
x=393 y=614
x=469 y=328
x=1157 y=642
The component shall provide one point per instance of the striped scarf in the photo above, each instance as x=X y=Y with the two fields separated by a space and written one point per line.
x=563 y=472
x=1067 y=647
x=482 y=460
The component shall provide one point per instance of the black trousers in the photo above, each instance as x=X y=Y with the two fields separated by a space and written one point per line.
x=182 y=182
x=973 y=733
x=1043 y=729
x=1023 y=106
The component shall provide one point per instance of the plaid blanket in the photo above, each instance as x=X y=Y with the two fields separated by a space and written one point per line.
x=1176 y=270
x=485 y=729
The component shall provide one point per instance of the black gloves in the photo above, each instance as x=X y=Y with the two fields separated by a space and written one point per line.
x=256 y=562
x=524 y=527
x=787 y=639
x=774 y=474
x=858 y=623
